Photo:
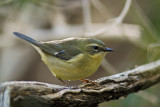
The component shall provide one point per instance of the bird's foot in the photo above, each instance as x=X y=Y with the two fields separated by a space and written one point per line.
x=87 y=81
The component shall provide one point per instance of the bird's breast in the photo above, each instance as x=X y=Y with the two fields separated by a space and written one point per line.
x=79 y=67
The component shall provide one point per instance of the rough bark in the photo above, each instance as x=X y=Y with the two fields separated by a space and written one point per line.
x=38 y=94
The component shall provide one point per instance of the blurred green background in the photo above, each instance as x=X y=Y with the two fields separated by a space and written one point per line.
x=135 y=39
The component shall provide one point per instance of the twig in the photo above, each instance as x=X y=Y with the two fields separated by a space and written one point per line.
x=108 y=88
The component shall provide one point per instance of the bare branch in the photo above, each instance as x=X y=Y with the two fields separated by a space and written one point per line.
x=108 y=88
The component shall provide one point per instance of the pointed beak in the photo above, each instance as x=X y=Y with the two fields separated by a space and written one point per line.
x=108 y=50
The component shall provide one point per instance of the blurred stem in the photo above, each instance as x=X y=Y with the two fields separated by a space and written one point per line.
x=108 y=67
x=86 y=15
x=124 y=12
x=145 y=21
x=4 y=2
x=117 y=20
x=101 y=8
x=148 y=97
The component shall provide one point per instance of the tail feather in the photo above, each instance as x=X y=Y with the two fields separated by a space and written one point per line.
x=39 y=44
x=29 y=39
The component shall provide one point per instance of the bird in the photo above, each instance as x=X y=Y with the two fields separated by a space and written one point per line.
x=71 y=58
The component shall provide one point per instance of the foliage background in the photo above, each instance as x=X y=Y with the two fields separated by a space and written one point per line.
x=135 y=39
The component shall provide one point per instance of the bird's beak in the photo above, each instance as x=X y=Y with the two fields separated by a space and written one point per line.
x=108 y=50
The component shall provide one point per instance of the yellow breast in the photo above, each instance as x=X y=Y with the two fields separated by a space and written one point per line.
x=79 y=67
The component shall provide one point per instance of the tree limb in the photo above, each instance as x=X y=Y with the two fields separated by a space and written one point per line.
x=38 y=94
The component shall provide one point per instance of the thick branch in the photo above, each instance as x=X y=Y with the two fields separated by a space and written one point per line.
x=37 y=94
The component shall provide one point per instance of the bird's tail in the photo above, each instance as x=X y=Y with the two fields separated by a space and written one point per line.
x=29 y=39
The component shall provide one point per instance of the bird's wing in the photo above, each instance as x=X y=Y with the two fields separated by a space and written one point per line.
x=61 y=51
x=64 y=50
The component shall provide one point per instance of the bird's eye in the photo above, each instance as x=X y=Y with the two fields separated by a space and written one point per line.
x=95 y=48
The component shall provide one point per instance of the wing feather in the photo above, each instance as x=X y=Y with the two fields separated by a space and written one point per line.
x=61 y=50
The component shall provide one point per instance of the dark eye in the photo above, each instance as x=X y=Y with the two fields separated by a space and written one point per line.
x=95 y=48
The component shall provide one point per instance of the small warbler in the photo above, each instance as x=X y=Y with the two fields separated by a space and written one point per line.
x=71 y=58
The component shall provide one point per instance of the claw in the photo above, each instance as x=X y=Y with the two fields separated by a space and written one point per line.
x=86 y=81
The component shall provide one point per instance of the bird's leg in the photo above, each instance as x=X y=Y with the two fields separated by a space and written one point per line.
x=86 y=80
x=89 y=81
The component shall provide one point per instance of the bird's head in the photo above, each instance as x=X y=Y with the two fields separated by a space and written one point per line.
x=94 y=47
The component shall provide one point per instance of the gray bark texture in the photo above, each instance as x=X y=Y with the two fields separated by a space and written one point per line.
x=38 y=94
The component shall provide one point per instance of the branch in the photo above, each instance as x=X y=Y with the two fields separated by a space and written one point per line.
x=38 y=94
